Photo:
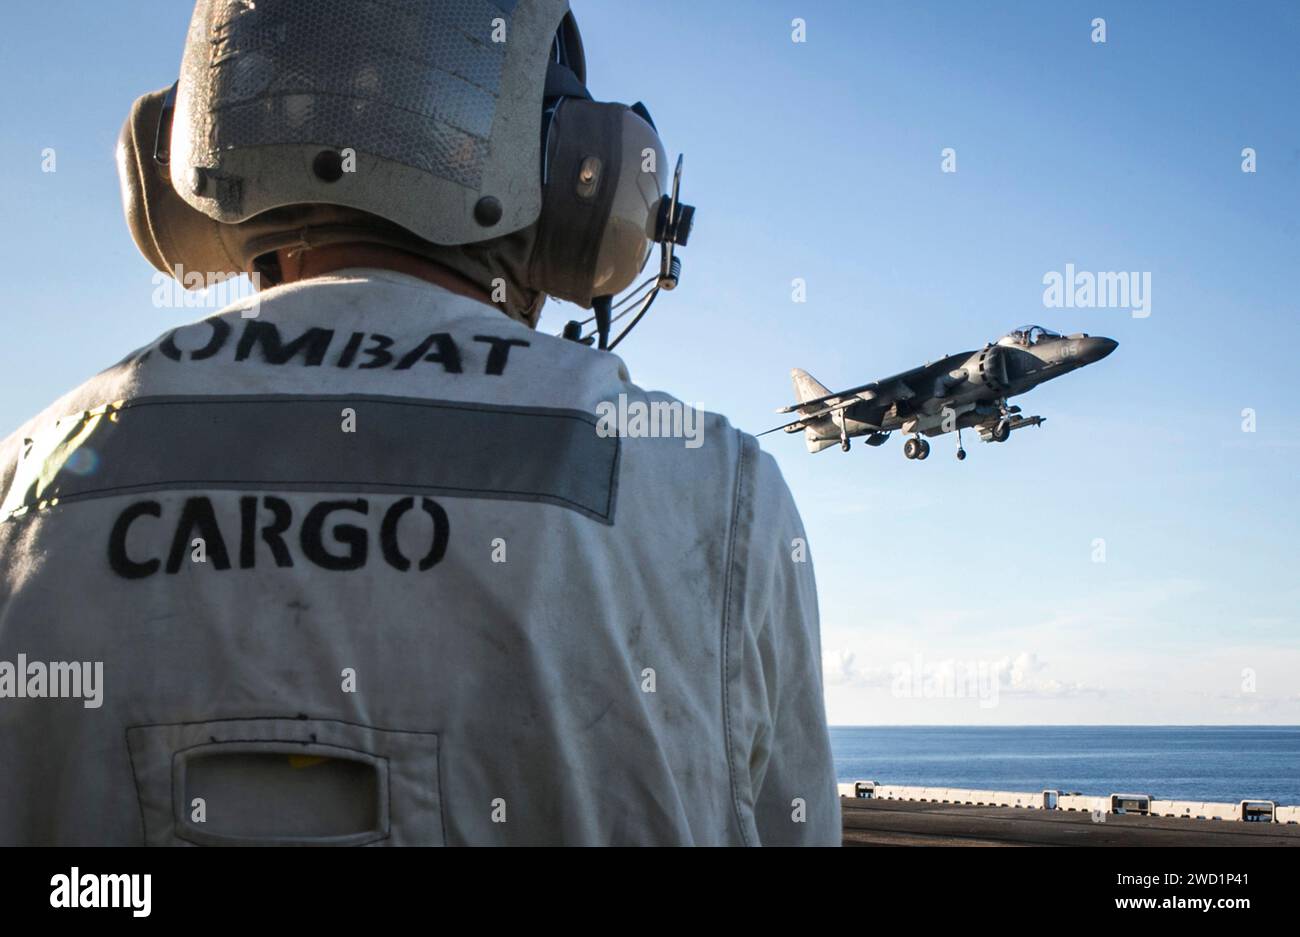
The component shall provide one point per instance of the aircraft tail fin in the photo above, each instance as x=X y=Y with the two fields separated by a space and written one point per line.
x=820 y=432
x=806 y=387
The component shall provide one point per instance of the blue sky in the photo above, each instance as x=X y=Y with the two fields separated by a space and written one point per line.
x=821 y=160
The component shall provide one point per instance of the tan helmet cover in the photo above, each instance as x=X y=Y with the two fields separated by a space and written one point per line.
x=598 y=192
x=593 y=238
x=181 y=242
x=439 y=104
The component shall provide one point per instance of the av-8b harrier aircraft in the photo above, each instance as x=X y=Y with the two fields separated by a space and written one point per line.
x=962 y=391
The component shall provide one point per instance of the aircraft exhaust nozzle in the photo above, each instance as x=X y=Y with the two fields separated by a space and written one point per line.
x=816 y=442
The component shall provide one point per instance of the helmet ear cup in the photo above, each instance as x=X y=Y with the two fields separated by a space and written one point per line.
x=633 y=225
x=601 y=190
x=175 y=238
x=578 y=182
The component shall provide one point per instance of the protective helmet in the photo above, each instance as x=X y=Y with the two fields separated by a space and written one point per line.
x=461 y=130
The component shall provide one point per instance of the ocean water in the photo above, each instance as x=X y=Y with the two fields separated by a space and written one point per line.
x=1219 y=763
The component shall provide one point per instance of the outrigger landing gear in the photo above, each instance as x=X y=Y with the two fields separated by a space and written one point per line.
x=916 y=448
x=844 y=439
x=961 y=453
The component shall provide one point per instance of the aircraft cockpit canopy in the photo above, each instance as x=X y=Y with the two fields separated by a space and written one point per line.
x=1027 y=335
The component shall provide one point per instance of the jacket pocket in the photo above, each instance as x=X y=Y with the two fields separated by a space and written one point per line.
x=286 y=782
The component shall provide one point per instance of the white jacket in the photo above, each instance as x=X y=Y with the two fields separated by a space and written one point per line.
x=367 y=568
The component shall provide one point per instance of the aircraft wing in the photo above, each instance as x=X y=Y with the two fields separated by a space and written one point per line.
x=800 y=423
x=915 y=382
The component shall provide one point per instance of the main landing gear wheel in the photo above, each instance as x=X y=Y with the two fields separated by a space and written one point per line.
x=925 y=450
x=916 y=449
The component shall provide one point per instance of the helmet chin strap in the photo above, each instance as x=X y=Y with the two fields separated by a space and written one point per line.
x=645 y=307
x=573 y=329
x=601 y=305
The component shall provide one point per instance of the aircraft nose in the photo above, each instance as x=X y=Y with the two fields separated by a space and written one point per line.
x=1096 y=348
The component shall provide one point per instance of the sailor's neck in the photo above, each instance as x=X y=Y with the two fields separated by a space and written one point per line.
x=330 y=258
